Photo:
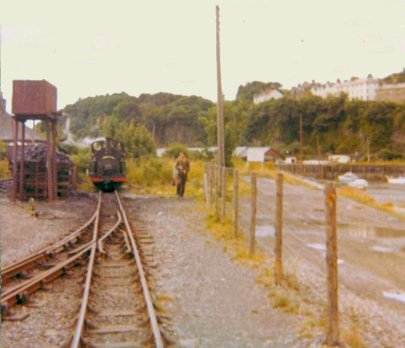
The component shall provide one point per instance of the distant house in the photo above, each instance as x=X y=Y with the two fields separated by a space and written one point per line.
x=241 y=152
x=339 y=158
x=315 y=162
x=355 y=88
x=267 y=95
x=261 y=154
x=290 y=160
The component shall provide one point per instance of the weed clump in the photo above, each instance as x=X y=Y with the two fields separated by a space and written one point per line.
x=4 y=170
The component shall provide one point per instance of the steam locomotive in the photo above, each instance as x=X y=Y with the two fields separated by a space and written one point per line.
x=107 y=169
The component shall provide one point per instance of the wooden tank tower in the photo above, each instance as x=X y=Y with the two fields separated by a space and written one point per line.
x=34 y=100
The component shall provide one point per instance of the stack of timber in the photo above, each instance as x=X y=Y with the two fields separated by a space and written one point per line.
x=36 y=174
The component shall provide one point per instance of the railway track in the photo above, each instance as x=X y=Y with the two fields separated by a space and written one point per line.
x=34 y=272
x=116 y=308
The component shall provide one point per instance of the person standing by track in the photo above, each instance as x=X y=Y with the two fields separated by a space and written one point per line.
x=181 y=169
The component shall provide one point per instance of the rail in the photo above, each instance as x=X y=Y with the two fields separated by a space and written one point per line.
x=146 y=293
x=83 y=308
x=20 y=292
x=131 y=245
x=42 y=255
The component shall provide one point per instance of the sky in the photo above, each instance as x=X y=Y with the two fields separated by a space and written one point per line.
x=95 y=47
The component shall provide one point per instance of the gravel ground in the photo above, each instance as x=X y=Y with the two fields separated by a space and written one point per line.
x=211 y=300
x=51 y=313
x=54 y=221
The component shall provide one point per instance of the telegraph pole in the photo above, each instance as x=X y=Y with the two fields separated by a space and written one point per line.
x=300 y=131
x=1 y=42
x=220 y=99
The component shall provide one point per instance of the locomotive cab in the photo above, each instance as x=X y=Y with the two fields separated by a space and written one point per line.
x=107 y=168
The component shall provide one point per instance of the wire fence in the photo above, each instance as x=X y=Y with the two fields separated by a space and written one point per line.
x=222 y=185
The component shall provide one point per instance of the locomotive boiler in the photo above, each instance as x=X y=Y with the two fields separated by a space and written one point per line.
x=107 y=169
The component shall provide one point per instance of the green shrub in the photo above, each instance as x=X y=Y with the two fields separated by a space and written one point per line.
x=388 y=155
x=3 y=150
x=174 y=150
x=147 y=172
x=81 y=159
x=4 y=170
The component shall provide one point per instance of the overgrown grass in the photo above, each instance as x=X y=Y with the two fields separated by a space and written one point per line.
x=398 y=162
x=4 y=170
x=235 y=245
x=362 y=197
x=353 y=337
x=155 y=176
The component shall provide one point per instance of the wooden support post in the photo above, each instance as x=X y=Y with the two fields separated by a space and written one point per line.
x=22 y=160
x=223 y=194
x=278 y=247
x=332 y=334
x=36 y=178
x=253 y=189
x=15 y=164
x=235 y=201
x=54 y=161
x=48 y=162
x=74 y=177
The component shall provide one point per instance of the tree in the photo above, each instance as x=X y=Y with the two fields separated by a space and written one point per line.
x=137 y=140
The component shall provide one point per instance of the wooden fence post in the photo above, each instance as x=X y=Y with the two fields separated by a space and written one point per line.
x=332 y=335
x=217 y=188
x=253 y=214
x=278 y=247
x=223 y=195
x=212 y=185
x=207 y=184
x=235 y=201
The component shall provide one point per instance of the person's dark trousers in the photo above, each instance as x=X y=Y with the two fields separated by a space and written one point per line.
x=181 y=185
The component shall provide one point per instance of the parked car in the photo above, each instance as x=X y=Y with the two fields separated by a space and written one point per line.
x=353 y=180
x=347 y=177
x=358 y=183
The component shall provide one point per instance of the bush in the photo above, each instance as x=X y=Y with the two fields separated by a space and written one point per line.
x=81 y=159
x=174 y=150
x=148 y=172
x=3 y=150
x=4 y=170
x=388 y=155
x=155 y=176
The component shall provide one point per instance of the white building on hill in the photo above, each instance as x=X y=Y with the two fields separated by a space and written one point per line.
x=356 y=88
